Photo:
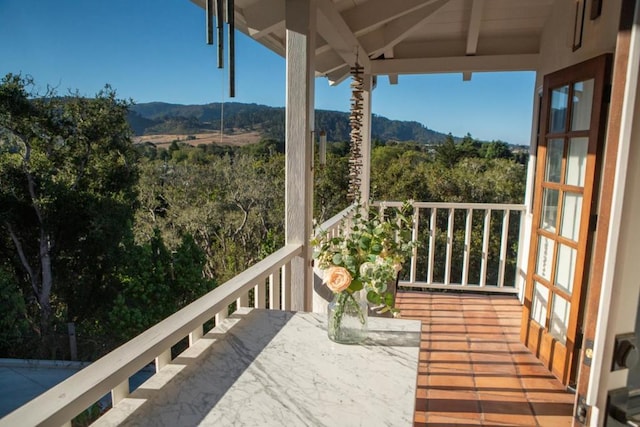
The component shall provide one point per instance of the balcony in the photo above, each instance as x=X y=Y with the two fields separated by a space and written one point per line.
x=472 y=368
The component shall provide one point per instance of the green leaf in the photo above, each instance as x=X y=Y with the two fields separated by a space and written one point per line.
x=373 y=297
x=337 y=259
x=376 y=248
x=350 y=262
x=356 y=285
x=365 y=242
x=388 y=299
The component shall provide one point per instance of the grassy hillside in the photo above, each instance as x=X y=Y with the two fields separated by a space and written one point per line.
x=163 y=118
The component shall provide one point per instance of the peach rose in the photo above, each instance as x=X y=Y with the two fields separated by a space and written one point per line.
x=337 y=278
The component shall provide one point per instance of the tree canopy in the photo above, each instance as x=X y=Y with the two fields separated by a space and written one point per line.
x=115 y=236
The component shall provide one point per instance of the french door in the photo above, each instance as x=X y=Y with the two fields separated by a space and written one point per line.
x=564 y=213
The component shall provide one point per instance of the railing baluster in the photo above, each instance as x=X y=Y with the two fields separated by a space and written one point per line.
x=432 y=244
x=220 y=316
x=195 y=335
x=260 y=294
x=243 y=300
x=447 y=269
x=414 y=250
x=274 y=290
x=521 y=258
x=121 y=391
x=163 y=359
x=485 y=247
x=503 y=247
x=467 y=247
x=286 y=286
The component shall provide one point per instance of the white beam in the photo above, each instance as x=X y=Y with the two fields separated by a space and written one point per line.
x=377 y=42
x=337 y=76
x=473 y=34
x=456 y=64
x=301 y=33
x=257 y=35
x=328 y=62
x=337 y=33
x=263 y=17
x=374 y=13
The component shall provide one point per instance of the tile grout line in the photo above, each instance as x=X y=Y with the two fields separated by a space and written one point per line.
x=472 y=367
x=516 y=367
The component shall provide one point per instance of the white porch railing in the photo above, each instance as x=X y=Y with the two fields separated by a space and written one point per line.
x=271 y=285
x=463 y=246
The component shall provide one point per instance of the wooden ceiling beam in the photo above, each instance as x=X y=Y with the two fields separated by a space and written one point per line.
x=338 y=75
x=456 y=64
x=365 y=18
x=377 y=42
x=473 y=33
x=339 y=36
x=263 y=17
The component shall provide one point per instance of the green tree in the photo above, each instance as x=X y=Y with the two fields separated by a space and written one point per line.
x=469 y=147
x=67 y=177
x=155 y=283
x=497 y=150
x=230 y=204
x=447 y=153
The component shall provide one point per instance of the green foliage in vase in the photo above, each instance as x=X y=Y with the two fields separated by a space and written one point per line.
x=368 y=254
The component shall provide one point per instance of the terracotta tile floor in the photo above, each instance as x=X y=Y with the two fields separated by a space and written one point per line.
x=473 y=369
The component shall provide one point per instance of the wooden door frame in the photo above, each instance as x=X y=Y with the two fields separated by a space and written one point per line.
x=562 y=364
x=592 y=304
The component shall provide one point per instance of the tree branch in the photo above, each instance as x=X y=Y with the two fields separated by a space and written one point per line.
x=23 y=258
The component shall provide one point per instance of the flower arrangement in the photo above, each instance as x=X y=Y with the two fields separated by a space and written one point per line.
x=367 y=256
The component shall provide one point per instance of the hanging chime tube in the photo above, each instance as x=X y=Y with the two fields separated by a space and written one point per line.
x=230 y=18
x=220 y=27
x=209 y=19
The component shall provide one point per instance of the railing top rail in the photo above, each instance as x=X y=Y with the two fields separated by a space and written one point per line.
x=64 y=401
x=455 y=205
x=335 y=220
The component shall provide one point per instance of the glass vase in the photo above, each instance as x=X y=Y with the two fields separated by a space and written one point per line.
x=347 y=321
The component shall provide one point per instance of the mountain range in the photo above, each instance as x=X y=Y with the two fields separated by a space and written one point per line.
x=154 y=118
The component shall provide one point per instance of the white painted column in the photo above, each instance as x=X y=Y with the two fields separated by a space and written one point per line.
x=620 y=292
x=301 y=31
x=365 y=178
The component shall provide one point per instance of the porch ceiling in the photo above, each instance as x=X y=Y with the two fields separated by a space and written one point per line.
x=409 y=36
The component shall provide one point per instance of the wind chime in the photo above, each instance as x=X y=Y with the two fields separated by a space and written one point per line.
x=224 y=13
x=355 y=120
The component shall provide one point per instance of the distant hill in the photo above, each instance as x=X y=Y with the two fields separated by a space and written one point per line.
x=163 y=118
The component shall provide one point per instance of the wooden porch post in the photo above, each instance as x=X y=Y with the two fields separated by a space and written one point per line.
x=365 y=179
x=300 y=17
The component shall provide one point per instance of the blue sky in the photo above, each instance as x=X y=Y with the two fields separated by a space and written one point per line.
x=155 y=51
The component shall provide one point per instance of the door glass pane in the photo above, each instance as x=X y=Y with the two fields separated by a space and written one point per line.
x=559 y=103
x=571 y=212
x=555 y=149
x=582 y=101
x=566 y=268
x=559 y=322
x=539 y=304
x=545 y=257
x=577 y=161
x=549 y=209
